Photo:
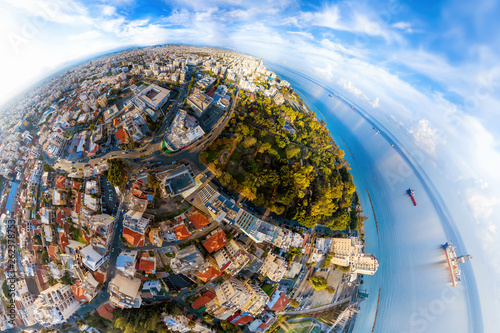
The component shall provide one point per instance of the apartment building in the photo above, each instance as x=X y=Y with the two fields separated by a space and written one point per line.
x=274 y=267
x=55 y=305
x=125 y=292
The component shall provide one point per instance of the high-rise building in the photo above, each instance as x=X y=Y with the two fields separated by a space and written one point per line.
x=103 y=101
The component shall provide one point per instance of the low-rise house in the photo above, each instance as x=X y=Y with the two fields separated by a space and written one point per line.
x=208 y=271
x=147 y=263
x=126 y=261
x=198 y=221
x=278 y=301
x=215 y=241
x=86 y=289
x=151 y=288
x=262 y=324
x=181 y=231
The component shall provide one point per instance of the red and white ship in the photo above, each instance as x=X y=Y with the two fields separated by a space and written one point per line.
x=453 y=262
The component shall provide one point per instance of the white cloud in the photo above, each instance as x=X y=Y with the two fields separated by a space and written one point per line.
x=349 y=86
x=108 y=10
x=481 y=204
x=325 y=73
x=427 y=136
x=344 y=18
x=404 y=26
x=304 y=34
x=375 y=104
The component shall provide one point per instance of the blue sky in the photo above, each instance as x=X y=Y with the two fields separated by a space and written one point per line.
x=430 y=69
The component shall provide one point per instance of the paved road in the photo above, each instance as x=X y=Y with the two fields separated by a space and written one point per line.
x=320 y=308
x=155 y=158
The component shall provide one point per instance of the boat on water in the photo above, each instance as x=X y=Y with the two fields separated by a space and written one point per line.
x=411 y=193
x=329 y=95
x=453 y=261
x=352 y=107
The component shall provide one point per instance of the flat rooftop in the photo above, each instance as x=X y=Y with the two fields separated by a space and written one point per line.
x=179 y=182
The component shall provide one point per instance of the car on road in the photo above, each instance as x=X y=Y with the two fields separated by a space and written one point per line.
x=124 y=152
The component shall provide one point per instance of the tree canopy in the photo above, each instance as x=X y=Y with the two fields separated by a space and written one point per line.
x=318 y=282
x=284 y=159
x=116 y=173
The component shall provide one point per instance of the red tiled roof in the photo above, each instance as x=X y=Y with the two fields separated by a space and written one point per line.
x=181 y=232
x=238 y=319
x=106 y=311
x=116 y=122
x=148 y=265
x=85 y=236
x=216 y=241
x=133 y=237
x=78 y=291
x=77 y=185
x=40 y=281
x=121 y=136
x=199 y=221
x=99 y=276
x=281 y=303
x=208 y=274
x=139 y=194
x=202 y=300
x=60 y=182
x=52 y=251
x=63 y=241
x=265 y=325
x=78 y=202
x=61 y=214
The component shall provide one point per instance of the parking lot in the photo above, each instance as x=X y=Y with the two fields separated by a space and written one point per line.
x=109 y=198
x=311 y=298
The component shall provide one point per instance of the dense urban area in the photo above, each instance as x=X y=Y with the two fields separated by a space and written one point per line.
x=175 y=189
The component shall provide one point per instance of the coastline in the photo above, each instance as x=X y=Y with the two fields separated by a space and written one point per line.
x=409 y=246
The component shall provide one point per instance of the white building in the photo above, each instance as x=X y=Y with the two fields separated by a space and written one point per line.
x=91 y=259
x=349 y=252
x=126 y=261
x=125 y=292
x=155 y=96
x=55 y=305
x=26 y=302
